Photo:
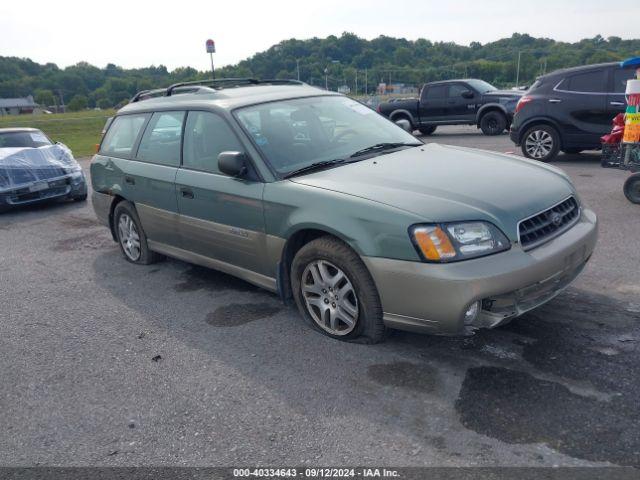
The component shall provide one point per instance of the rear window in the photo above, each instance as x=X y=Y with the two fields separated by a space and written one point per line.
x=620 y=77
x=23 y=139
x=162 y=138
x=590 y=82
x=438 y=91
x=122 y=135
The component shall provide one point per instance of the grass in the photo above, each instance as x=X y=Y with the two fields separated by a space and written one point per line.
x=80 y=131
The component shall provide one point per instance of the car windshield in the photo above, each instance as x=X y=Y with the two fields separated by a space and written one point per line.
x=293 y=134
x=481 y=86
x=32 y=138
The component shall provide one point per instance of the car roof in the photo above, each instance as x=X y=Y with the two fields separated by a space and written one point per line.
x=580 y=68
x=18 y=129
x=226 y=98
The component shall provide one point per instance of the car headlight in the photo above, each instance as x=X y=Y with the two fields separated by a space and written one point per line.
x=451 y=242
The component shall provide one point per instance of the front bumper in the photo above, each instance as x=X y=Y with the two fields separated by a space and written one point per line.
x=434 y=297
x=73 y=185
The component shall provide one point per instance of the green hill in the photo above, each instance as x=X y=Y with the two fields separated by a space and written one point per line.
x=381 y=59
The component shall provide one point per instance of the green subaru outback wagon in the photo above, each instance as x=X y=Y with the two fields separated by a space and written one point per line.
x=315 y=196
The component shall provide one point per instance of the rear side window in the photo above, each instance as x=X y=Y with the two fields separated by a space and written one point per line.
x=162 y=138
x=435 y=92
x=205 y=136
x=620 y=77
x=592 y=82
x=122 y=135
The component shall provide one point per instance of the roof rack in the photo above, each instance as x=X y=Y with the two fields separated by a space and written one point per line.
x=210 y=85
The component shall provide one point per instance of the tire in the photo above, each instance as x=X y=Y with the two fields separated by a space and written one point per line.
x=493 y=123
x=315 y=267
x=428 y=130
x=125 y=212
x=540 y=142
x=632 y=188
x=80 y=198
x=571 y=151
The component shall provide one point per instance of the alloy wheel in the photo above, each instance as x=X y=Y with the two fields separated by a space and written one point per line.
x=129 y=237
x=539 y=144
x=329 y=297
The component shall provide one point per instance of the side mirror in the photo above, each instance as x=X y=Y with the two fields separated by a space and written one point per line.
x=404 y=124
x=233 y=164
x=467 y=94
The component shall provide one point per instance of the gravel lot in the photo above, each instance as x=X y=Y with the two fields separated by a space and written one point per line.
x=104 y=362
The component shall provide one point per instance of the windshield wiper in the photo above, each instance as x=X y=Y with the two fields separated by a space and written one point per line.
x=385 y=146
x=315 y=166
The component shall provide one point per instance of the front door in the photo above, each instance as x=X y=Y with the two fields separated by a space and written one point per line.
x=220 y=217
x=460 y=107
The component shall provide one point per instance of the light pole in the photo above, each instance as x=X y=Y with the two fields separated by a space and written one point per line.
x=518 y=71
x=298 y=68
x=326 y=78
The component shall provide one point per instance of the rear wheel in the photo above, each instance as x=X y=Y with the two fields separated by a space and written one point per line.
x=428 y=130
x=541 y=142
x=632 y=188
x=335 y=293
x=131 y=236
x=493 y=123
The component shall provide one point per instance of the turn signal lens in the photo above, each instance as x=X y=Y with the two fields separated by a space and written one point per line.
x=434 y=243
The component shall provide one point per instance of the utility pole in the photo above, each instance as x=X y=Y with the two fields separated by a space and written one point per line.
x=518 y=71
x=356 y=81
x=365 y=82
x=326 y=79
x=298 y=68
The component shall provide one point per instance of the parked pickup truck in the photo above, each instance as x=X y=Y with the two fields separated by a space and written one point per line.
x=456 y=102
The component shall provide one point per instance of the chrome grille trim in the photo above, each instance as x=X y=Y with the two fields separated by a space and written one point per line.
x=537 y=229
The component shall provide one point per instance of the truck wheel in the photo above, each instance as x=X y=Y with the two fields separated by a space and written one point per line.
x=428 y=130
x=493 y=123
x=541 y=142
x=131 y=236
x=632 y=188
x=335 y=293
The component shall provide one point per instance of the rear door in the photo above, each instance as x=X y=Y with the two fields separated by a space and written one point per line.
x=220 y=217
x=151 y=176
x=579 y=101
x=433 y=103
x=616 y=102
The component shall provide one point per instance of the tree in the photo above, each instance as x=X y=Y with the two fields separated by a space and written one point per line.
x=44 y=97
x=103 y=103
x=77 y=103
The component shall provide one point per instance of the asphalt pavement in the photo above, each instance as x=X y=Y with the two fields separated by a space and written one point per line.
x=107 y=363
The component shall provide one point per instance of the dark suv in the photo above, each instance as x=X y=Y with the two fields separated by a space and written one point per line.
x=569 y=110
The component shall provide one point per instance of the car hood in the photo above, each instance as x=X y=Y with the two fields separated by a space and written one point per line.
x=21 y=166
x=443 y=183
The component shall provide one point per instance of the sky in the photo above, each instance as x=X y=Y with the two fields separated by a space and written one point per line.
x=138 y=33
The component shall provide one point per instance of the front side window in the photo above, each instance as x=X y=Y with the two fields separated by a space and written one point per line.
x=27 y=139
x=589 y=82
x=122 y=135
x=162 y=138
x=457 y=89
x=293 y=134
x=206 y=135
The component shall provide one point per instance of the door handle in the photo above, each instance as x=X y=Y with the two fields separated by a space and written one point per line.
x=129 y=180
x=186 y=192
x=617 y=104
x=554 y=100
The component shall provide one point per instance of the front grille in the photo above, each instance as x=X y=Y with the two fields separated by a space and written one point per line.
x=536 y=230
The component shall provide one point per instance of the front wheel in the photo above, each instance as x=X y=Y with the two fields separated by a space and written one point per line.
x=428 y=130
x=131 y=236
x=493 y=123
x=335 y=293
x=632 y=188
x=541 y=142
